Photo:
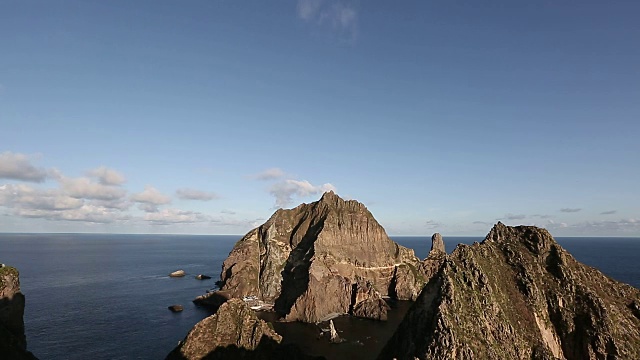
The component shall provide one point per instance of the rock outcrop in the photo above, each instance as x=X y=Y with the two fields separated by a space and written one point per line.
x=177 y=273
x=307 y=260
x=13 y=342
x=437 y=244
x=234 y=332
x=519 y=295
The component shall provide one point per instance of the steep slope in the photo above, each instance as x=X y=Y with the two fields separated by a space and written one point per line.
x=13 y=343
x=519 y=295
x=308 y=260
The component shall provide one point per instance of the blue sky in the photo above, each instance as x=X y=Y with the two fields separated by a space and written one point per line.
x=204 y=116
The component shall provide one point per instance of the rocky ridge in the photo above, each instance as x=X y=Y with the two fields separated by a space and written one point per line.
x=13 y=342
x=319 y=259
x=519 y=295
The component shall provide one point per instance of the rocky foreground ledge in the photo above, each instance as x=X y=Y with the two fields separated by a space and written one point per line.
x=13 y=342
x=519 y=295
x=235 y=332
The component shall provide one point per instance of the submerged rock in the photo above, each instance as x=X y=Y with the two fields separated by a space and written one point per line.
x=306 y=260
x=178 y=273
x=203 y=277
x=13 y=342
x=519 y=295
x=176 y=308
x=234 y=332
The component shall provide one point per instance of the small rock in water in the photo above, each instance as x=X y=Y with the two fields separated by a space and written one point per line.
x=176 y=308
x=202 y=277
x=178 y=273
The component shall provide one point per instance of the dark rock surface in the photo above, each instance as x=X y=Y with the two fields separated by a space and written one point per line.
x=519 y=295
x=13 y=342
x=234 y=332
x=306 y=260
x=176 y=308
x=203 y=277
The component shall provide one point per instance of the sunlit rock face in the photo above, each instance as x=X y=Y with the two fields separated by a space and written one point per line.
x=519 y=295
x=307 y=260
x=13 y=343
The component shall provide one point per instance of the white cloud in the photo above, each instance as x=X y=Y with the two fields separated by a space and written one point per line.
x=269 y=174
x=513 y=217
x=107 y=176
x=16 y=166
x=432 y=224
x=285 y=190
x=192 y=194
x=151 y=195
x=338 y=16
x=85 y=188
x=307 y=9
x=175 y=216
x=25 y=197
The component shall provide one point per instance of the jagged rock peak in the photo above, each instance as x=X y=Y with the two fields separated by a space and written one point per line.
x=437 y=244
x=519 y=295
x=305 y=260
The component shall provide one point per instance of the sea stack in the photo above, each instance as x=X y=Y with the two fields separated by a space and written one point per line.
x=13 y=343
x=437 y=244
x=519 y=295
x=307 y=260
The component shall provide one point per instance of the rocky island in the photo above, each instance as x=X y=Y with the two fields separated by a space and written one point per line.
x=516 y=295
x=13 y=342
x=320 y=260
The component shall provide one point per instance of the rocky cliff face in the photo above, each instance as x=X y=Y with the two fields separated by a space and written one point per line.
x=307 y=260
x=519 y=295
x=234 y=332
x=13 y=343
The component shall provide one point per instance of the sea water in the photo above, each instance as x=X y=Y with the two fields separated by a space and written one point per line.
x=105 y=296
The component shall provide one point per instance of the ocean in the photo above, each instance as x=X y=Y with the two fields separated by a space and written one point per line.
x=105 y=296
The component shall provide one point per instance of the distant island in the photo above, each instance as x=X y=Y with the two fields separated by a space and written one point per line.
x=516 y=295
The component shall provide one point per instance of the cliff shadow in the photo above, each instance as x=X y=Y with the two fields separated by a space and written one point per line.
x=295 y=275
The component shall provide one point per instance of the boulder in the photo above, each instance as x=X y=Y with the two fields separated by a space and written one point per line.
x=203 y=277
x=367 y=302
x=178 y=273
x=176 y=308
